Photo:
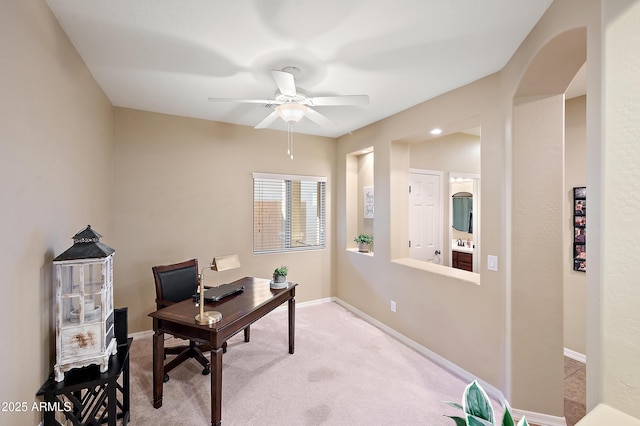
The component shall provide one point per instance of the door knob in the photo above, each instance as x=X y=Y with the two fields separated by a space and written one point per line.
x=437 y=252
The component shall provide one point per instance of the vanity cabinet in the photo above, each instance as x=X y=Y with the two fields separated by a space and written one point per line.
x=462 y=260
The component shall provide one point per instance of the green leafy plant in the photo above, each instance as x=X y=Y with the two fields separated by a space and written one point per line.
x=478 y=410
x=364 y=239
x=281 y=271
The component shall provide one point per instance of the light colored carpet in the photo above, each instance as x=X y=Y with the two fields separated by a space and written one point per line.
x=344 y=372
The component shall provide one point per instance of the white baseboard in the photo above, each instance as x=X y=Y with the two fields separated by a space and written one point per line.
x=316 y=302
x=309 y=303
x=140 y=334
x=538 y=418
x=577 y=356
x=492 y=391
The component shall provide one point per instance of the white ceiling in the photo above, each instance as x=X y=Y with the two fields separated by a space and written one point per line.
x=170 y=56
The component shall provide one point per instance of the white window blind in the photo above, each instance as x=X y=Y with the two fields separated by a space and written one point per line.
x=288 y=213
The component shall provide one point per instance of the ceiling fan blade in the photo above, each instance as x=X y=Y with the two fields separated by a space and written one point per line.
x=267 y=121
x=340 y=100
x=285 y=82
x=244 y=101
x=318 y=118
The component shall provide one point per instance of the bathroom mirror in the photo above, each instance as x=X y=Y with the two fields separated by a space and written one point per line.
x=462 y=206
x=464 y=218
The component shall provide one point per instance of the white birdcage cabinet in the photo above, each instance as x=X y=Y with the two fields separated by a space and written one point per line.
x=84 y=316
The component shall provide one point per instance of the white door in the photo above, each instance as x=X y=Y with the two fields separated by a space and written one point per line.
x=425 y=217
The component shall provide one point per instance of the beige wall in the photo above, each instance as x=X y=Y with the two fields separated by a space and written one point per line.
x=183 y=189
x=457 y=152
x=426 y=300
x=617 y=330
x=575 y=283
x=56 y=169
x=536 y=255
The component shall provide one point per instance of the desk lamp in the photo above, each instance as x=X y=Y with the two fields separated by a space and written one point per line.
x=219 y=263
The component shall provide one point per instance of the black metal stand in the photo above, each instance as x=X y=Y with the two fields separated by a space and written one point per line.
x=88 y=397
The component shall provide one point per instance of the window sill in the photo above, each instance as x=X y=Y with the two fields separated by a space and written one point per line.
x=355 y=250
x=603 y=414
x=459 y=274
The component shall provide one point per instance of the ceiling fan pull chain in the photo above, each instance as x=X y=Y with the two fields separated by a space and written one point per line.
x=290 y=140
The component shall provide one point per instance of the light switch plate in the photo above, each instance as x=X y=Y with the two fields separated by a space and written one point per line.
x=492 y=263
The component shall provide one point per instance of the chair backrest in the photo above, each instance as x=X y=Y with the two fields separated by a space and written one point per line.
x=175 y=282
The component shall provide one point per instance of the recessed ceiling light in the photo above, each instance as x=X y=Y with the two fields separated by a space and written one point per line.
x=436 y=131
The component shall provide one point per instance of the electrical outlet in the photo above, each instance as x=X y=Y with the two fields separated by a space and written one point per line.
x=393 y=306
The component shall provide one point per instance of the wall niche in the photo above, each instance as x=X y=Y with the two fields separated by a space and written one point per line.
x=360 y=197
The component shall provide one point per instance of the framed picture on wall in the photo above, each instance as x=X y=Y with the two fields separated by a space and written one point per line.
x=580 y=229
x=368 y=202
x=580 y=265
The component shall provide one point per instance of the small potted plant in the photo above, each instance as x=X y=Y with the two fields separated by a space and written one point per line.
x=364 y=242
x=280 y=277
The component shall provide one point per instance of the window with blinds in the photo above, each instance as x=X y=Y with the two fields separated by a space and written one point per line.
x=288 y=213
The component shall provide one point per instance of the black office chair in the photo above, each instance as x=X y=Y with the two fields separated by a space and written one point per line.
x=175 y=283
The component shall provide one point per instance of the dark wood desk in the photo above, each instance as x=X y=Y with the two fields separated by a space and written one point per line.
x=238 y=311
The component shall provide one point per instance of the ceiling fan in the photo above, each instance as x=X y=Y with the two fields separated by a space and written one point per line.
x=292 y=104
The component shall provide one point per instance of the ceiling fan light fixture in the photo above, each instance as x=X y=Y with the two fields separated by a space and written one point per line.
x=292 y=112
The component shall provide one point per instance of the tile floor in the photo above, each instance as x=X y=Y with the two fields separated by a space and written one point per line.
x=575 y=390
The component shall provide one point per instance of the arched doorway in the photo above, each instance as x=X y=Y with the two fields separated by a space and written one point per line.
x=538 y=215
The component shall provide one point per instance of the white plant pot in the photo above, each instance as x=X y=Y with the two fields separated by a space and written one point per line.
x=279 y=281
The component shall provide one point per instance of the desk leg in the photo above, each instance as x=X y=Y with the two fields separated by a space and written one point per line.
x=292 y=324
x=158 y=368
x=216 y=387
